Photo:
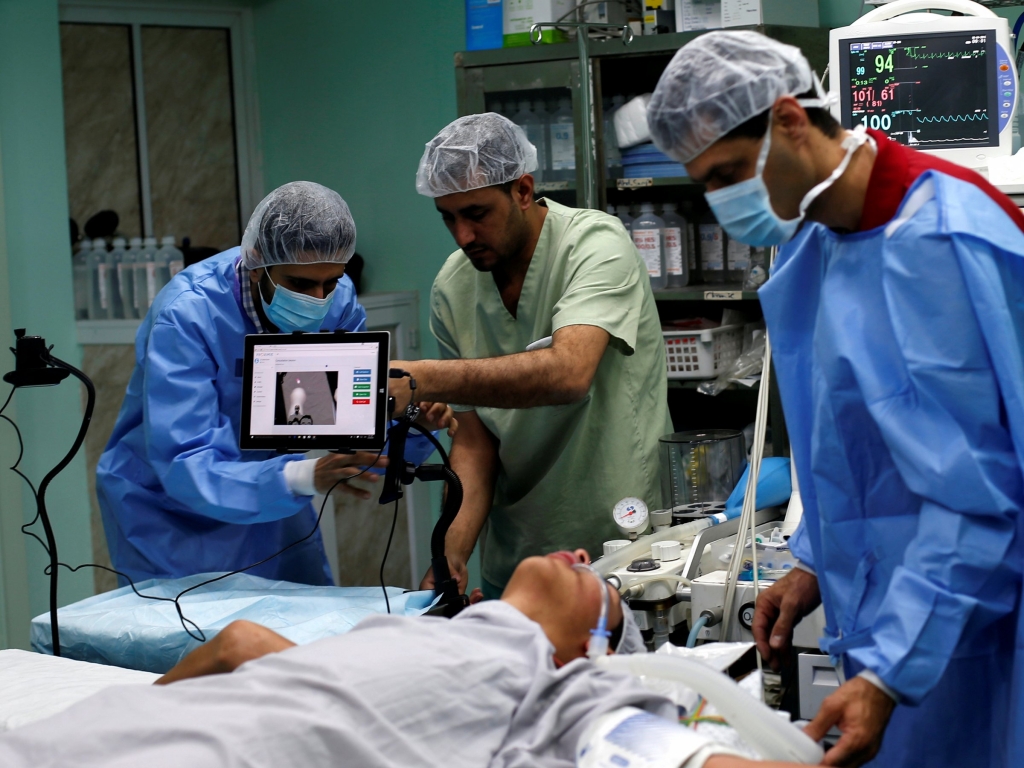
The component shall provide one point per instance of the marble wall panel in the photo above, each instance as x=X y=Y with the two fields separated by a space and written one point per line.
x=191 y=134
x=110 y=367
x=99 y=123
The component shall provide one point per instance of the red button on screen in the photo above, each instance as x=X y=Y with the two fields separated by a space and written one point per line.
x=360 y=402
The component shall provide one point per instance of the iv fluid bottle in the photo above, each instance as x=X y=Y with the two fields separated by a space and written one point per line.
x=676 y=263
x=99 y=279
x=562 y=137
x=712 y=249
x=175 y=259
x=612 y=156
x=649 y=239
x=622 y=211
x=80 y=267
x=114 y=258
x=535 y=132
x=738 y=259
x=610 y=210
x=543 y=159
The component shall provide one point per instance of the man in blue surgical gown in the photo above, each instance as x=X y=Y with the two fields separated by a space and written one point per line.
x=177 y=494
x=896 y=314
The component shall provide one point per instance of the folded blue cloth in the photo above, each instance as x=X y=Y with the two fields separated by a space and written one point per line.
x=122 y=629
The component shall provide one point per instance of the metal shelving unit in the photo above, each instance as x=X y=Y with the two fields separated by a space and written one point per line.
x=485 y=79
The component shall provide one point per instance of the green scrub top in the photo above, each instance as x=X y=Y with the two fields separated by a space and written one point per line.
x=563 y=467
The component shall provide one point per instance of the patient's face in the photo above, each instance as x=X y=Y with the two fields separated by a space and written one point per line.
x=565 y=601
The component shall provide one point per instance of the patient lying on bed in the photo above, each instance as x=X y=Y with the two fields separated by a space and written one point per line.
x=505 y=683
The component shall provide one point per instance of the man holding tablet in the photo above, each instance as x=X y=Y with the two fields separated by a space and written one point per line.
x=177 y=493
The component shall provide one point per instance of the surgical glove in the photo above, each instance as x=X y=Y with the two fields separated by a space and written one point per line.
x=643 y=740
x=298 y=475
x=337 y=469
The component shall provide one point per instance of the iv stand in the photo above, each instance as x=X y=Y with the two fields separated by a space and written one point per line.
x=590 y=191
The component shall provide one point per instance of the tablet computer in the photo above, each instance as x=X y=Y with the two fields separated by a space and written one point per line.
x=304 y=391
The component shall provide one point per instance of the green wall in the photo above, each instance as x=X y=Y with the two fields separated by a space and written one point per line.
x=349 y=93
x=35 y=284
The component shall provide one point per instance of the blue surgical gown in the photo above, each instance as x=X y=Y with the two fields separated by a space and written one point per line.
x=900 y=358
x=176 y=493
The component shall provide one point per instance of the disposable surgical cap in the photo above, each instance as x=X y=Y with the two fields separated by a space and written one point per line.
x=716 y=83
x=299 y=223
x=473 y=152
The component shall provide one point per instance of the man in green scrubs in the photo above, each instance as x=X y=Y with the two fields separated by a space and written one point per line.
x=551 y=344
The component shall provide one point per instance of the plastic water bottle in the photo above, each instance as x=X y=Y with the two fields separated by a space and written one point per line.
x=126 y=278
x=175 y=258
x=80 y=267
x=676 y=263
x=100 y=283
x=562 y=136
x=114 y=259
x=535 y=132
x=612 y=156
x=145 y=276
x=622 y=211
x=543 y=159
x=712 y=249
x=133 y=256
x=648 y=237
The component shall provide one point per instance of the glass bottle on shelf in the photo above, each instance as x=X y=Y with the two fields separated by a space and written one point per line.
x=737 y=260
x=534 y=128
x=677 y=266
x=562 y=137
x=145 y=276
x=174 y=258
x=80 y=271
x=648 y=237
x=712 y=249
x=691 y=244
x=139 y=282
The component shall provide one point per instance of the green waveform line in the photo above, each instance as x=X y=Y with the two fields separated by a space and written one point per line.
x=913 y=54
x=953 y=118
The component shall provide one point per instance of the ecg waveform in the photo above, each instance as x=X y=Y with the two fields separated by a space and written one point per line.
x=912 y=53
x=954 y=118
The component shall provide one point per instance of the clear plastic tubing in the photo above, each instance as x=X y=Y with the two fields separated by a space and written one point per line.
x=759 y=726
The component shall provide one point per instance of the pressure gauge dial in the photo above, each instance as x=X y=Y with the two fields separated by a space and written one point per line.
x=631 y=516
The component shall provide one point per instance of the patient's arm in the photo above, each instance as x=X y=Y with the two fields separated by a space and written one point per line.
x=731 y=761
x=237 y=643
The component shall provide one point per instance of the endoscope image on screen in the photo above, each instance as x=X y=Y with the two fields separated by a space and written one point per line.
x=306 y=398
x=928 y=91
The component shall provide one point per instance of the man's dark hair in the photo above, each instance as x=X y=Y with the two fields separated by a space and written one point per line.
x=757 y=126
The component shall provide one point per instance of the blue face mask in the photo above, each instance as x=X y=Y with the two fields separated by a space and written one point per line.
x=291 y=311
x=745 y=210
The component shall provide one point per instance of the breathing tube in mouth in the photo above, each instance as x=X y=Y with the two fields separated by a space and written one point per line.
x=598 y=645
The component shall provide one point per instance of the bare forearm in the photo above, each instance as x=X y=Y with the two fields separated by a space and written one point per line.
x=474 y=459
x=560 y=374
x=237 y=643
x=731 y=761
x=524 y=380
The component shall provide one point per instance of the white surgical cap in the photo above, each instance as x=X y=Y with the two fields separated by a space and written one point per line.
x=719 y=81
x=473 y=152
x=299 y=223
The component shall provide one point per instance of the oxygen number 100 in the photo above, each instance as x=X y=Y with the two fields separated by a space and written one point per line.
x=878 y=122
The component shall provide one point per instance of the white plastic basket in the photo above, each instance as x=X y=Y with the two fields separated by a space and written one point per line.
x=702 y=354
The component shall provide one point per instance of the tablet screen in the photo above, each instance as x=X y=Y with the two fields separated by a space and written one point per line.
x=315 y=391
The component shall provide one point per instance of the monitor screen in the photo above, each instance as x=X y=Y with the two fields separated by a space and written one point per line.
x=315 y=391
x=929 y=91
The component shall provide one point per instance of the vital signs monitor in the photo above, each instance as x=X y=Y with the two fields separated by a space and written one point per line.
x=943 y=84
x=315 y=390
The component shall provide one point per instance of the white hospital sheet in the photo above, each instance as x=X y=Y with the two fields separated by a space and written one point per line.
x=35 y=686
